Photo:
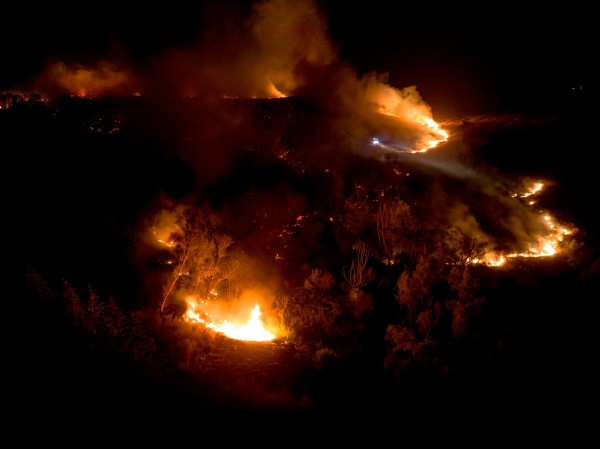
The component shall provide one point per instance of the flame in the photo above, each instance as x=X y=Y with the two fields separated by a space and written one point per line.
x=251 y=330
x=435 y=134
x=537 y=187
x=433 y=137
x=169 y=243
x=407 y=108
x=163 y=229
x=438 y=135
x=273 y=92
x=547 y=245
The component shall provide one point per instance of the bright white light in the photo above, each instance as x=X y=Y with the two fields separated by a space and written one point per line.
x=375 y=141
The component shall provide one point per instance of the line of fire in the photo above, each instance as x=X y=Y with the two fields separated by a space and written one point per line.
x=388 y=214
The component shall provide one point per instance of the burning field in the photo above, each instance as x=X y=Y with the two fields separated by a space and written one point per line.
x=276 y=234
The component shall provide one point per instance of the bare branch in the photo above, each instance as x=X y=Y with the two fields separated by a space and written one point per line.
x=356 y=276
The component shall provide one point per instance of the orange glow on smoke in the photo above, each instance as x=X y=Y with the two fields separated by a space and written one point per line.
x=407 y=107
x=273 y=92
x=164 y=228
x=98 y=80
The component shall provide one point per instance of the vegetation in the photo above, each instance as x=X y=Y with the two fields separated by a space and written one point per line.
x=378 y=305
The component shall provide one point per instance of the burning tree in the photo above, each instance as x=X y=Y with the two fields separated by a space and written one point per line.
x=202 y=254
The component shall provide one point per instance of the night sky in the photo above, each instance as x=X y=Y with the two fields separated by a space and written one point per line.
x=464 y=60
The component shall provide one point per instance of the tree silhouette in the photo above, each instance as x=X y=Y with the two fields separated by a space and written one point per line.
x=395 y=227
x=461 y=249
x=357 y=274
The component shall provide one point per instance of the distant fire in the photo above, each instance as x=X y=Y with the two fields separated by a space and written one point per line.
x=537 y=187
x=438 y=135
x=435 y=135
x=547 y=245
x=410 y=117
x=273 y=92
x=87 y=81
x=250 y=330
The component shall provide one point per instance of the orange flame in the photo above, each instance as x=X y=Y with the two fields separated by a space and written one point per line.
x=273 y=92
x=251 y=330
x=547 y=245
x=438 y=135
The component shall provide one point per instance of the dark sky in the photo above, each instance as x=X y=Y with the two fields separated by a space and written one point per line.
x=463 y=59
x=480 y=56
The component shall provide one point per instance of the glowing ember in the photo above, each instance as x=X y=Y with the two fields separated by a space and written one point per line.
x=168 y=243
x=252 y=330
x=164 y=229
x=104 y=78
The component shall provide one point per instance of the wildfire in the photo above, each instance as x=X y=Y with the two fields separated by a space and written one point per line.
x=251 y=330
x=104 y=78
x=273 y=92
x=438 y=135
x=435 y=136
x=547 y=245
x=164 y=228
x=537 y=187
x=170 y=243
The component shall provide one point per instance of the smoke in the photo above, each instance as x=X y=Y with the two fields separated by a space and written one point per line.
x=239 y=54
x=497 y=208
x=282 y=48
x=102 y=79
x=271 y=49
x=291 y=35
